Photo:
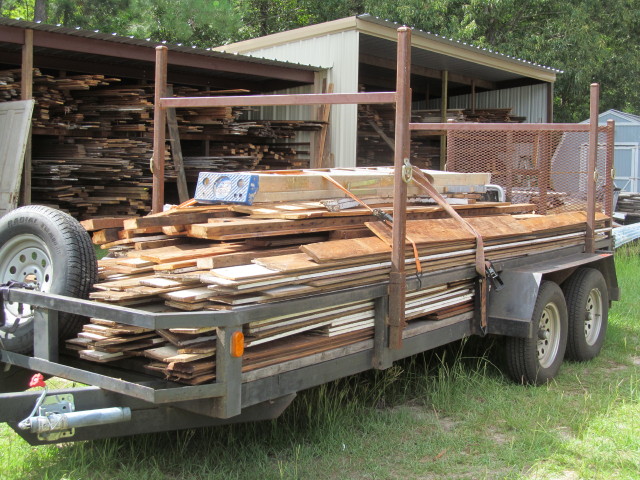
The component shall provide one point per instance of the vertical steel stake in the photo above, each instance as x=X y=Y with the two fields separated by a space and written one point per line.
x=397 y=281
x=159 y=129
x=26 y=93
x=608 y=169
x=591 y=168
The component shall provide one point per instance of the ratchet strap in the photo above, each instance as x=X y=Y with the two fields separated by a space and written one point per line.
x=382 y=215
x=481 y=264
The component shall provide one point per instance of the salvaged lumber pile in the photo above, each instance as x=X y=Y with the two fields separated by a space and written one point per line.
x=629 y=206
x=229 y=257
x=479 y=115
x=376 y=136
x=92 y=141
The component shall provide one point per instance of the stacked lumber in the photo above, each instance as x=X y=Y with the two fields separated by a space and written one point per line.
x=376 y=133
x=94 y=133
x=629 y=205
x=479 y=115
x=224 y=258
x=492 y=115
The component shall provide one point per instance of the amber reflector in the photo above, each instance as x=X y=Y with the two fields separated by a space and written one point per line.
x=237 y=344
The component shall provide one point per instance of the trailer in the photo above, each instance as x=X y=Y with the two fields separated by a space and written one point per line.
x=547 y=305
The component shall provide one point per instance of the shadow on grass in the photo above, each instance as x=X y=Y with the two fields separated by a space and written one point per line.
x=392 y=424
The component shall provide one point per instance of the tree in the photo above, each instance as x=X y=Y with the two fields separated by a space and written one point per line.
x=40 y=11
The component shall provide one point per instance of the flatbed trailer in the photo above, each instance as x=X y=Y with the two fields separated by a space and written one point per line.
x=120 y=402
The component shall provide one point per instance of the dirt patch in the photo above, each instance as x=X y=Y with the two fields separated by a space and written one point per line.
x=565 y=433
x=636 y=360
x=499 y=438
x=447 y=424
x=566 y=475
x=615 y=367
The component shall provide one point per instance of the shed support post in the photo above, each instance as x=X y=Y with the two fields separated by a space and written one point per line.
x=159 y=130
x=397 y=280
x=444 y=108
x=26 y=93
x=591 y=167
x=474 y=98
x=550 y=102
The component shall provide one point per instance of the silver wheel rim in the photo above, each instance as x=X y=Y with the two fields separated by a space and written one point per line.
x=593 y=316
x=24 y=258
x=548 y=335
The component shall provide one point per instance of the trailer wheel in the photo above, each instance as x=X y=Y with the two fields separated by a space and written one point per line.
x=588 y=306
x=51 y=251
x=537 y=360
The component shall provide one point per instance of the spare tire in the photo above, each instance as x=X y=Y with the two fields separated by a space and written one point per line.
x=50 y=250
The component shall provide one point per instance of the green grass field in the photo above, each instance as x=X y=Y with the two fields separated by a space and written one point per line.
x=448 y=414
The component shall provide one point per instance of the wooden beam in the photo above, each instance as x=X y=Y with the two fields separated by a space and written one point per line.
x=474 y=99
x=176 y=151
x=26 y=87
x=324 y=111
x=426 y=72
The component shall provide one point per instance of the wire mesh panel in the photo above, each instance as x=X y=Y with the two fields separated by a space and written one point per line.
x=545 y=167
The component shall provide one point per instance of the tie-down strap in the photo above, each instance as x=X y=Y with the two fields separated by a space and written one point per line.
x=422 y=181
x=383 y=216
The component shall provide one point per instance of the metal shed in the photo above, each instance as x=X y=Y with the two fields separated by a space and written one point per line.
x=627 y=148
x=70 y=51
x=359 y=53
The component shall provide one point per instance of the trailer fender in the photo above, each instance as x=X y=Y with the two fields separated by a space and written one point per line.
x=509 y=310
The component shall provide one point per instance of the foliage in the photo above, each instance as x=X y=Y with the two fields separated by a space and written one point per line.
x=590 y=40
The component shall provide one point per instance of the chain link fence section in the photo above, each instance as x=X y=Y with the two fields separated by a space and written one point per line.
x=545 y=167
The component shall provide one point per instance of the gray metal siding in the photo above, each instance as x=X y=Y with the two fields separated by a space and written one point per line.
x=339 y=54
x=529 y=101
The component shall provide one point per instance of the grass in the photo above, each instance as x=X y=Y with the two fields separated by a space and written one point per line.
x=444 y=414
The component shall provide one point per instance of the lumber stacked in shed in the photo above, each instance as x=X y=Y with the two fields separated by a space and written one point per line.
x=479 y=115
x=376 y=130
x=222 y=258
x=93 y=141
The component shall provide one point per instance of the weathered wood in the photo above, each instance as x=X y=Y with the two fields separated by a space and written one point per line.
x=102 y=223
x=176 y=150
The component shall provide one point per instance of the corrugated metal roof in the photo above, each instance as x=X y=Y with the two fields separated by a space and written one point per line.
x=457 y=43
x=148 y=43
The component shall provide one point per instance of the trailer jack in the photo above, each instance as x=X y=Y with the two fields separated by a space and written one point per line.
x=56 y=417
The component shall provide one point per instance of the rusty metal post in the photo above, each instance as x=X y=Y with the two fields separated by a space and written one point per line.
x=608 y=168
x=591 y=168
x=159 y=130
x=26 y=93
x=397 y=280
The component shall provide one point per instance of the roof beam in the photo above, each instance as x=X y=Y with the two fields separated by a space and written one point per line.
x=452 y=49
x=426 y=72
x=139 y=72
x=95 y=46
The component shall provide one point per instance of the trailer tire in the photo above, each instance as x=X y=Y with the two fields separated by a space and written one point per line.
x=588 y=306
x=535 y=361
x=51 y=250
